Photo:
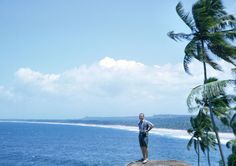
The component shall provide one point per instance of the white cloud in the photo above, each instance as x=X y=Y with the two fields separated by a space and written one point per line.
x=110 y=63
x=44 y=81
x=120 y=78
x=6 y=92
x=107 y=88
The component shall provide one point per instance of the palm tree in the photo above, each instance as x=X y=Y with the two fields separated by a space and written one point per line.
x=212 y=96
x=232 y=143
x=196 y=134
x=210 y=141
x=212 y=29
x=232 y=157
x=201 y=125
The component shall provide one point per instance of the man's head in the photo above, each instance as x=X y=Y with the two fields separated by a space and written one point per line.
x=141 y=116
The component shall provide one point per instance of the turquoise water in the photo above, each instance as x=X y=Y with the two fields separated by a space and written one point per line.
x=24 y=144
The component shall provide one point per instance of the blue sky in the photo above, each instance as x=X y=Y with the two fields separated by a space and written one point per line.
x=69 y=59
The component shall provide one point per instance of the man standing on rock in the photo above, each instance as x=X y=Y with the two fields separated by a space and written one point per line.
x=144 y=127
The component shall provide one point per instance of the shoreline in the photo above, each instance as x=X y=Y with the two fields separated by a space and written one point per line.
x=171 y=133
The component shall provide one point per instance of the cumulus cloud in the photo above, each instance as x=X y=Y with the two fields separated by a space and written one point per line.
x=111 y=63
x=44 y=81
x=120 y=78
x=6 y=92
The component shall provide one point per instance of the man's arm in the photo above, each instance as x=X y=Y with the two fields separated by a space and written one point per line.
x=150 y=126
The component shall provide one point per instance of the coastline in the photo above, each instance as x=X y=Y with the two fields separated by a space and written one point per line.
x=172 y=133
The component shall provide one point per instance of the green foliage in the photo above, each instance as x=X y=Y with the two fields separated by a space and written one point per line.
x=200 y=132
x=233 y=126
x=232 y=157
x=212 y=91
x=212 y=29
x=232 y=160
x=211 y=26
x=232 y=143
x=185 y=16
x=201 y=126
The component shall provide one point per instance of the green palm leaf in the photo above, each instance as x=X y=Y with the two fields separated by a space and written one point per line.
x=191 y=51
x=179 y=36
x=207 y=91
x=190 y=143
x=185 y=16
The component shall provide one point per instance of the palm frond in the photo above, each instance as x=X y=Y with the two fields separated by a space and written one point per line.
x=234 y=70
x=194 y=109
x=233 y=126
x=204 y=15
x=190 y=53
x=196 y=12
x=211 y=79
x=179 y=36
x=192 y=123
x=202 y=146
x=187 y=60
x=221 y=48
x=220 y=112
x=211 y=62
x=225 y=22
x=207 y=91
x=231 y=143
x=224 y=52
x=190 y=143
x=231 y=35
x=195 y=143
x=185 y=16
x=190 y=131
x=225 y=120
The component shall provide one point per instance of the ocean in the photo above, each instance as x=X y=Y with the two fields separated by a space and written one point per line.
x=59 y=144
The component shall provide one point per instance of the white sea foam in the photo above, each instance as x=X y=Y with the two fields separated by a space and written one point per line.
x=174 y=133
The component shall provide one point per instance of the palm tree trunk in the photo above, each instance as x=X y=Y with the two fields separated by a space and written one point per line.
x=210 y=108
x=208 y=156
x=204 y=63
x=217 y=135
x=208 y=151
x=205 y=72
x=232 y=120
x=205 y=81
x=198 y=152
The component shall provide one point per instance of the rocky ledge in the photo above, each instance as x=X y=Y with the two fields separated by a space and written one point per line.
x=159 y=163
